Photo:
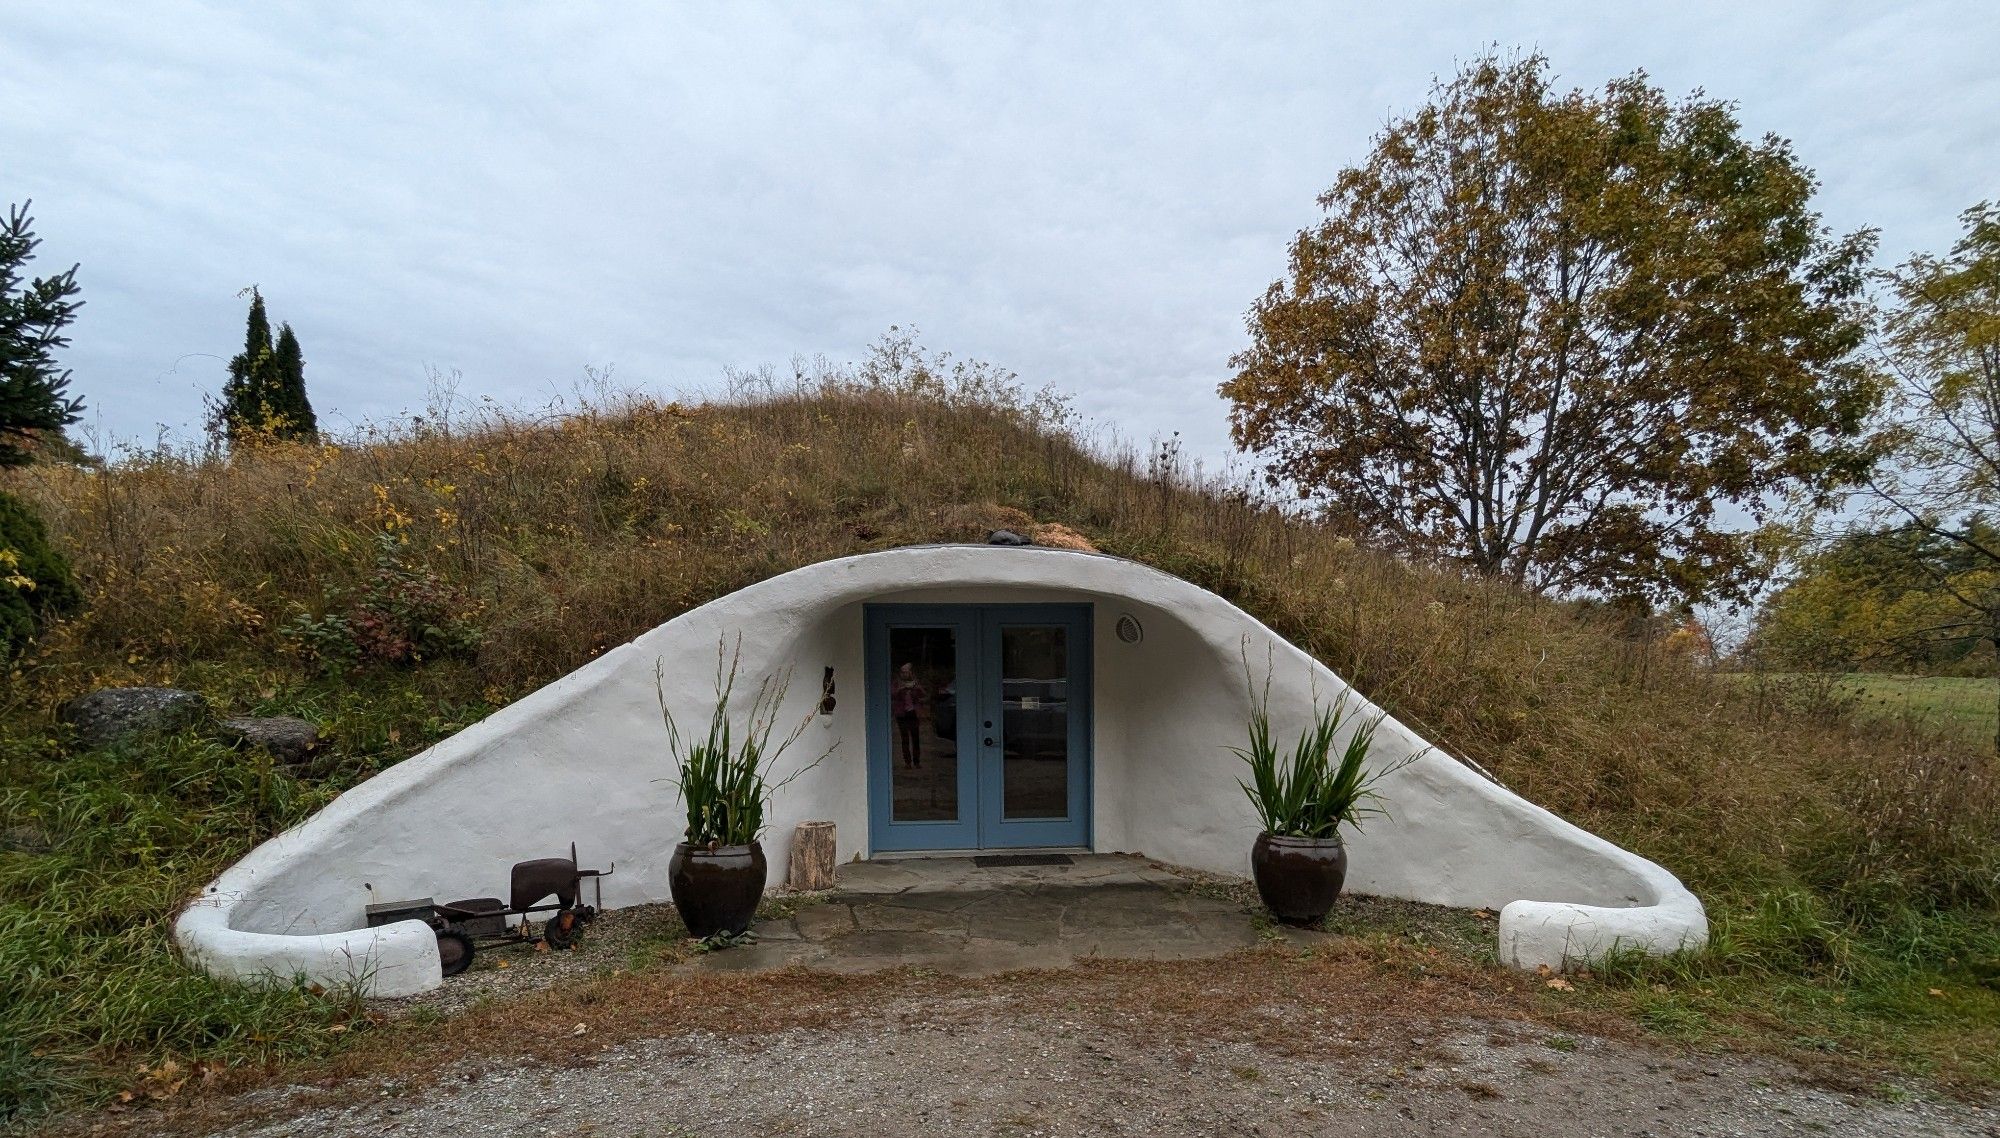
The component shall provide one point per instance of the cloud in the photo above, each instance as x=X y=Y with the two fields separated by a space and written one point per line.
x=1088 y=195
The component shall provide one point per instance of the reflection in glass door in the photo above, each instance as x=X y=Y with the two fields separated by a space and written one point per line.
x=923 y=690
x=1034 y=768
x=978 y=726
x=1034 y=729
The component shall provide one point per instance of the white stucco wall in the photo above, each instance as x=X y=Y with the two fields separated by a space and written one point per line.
x=581 y=760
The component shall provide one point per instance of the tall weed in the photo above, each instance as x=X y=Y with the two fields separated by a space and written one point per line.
x=1823 y=847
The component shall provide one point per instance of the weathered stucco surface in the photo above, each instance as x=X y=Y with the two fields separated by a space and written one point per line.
x=582 y=760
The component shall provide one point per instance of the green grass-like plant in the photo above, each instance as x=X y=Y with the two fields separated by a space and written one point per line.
x=1306 y=793
x=722 y=776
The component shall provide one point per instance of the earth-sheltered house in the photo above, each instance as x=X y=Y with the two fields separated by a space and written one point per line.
x=984 y=697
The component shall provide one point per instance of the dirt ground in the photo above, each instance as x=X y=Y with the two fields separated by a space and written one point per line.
x=975 y=1068
x=907 y=1004
x=1266 y=1041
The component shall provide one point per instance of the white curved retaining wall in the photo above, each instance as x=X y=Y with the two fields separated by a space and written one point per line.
x=581 y=760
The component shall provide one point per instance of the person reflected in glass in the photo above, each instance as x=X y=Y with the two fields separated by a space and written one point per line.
x=906 y=700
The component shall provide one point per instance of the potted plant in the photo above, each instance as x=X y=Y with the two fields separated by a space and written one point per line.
x=718 y=871
x=1303 y=798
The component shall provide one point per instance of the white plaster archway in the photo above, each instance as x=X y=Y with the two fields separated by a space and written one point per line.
x=581 y=759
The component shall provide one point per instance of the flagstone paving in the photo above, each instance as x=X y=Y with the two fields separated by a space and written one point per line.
x=955 y=916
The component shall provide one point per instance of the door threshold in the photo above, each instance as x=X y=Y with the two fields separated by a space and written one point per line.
x=911 y=855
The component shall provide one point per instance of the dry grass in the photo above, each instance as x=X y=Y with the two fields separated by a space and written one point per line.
x=553 y=539
x=411 y=578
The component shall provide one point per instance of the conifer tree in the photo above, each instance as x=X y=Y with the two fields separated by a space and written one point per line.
x=265 y=396
x=35 y=581
x=293 y=407
x=33 y=403
x=244 y=396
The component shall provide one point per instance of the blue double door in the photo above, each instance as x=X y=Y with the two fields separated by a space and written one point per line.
x=978 y=726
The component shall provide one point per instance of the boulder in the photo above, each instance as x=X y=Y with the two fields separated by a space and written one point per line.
x=289 y=740
x=109 y=714
x=23 y=839
x=1006 y=537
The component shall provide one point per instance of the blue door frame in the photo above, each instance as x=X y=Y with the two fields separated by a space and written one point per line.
x=979 y=709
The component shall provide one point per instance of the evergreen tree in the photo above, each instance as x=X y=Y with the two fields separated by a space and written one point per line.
x=265 y=396
x=292 y=405
x=245 y=397
x=35 y=581
x=33 y=403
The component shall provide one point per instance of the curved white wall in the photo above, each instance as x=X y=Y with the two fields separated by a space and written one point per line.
x=581 y=760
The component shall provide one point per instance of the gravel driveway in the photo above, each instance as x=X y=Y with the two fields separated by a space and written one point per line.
x=1110 y=996
x=921 y=1069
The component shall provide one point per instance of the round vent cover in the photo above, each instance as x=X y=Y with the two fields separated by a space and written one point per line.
x=1129 y=630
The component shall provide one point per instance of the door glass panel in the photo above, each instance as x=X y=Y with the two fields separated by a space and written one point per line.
x=1034 y=708
x=923 y=724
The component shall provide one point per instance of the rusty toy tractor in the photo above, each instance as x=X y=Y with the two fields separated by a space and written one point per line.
x=463 y=925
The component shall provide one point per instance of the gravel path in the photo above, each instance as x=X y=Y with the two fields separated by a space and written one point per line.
x=914 y=1071
x=1111 y=996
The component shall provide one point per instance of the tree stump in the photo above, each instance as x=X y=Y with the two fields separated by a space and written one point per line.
x=810 y=868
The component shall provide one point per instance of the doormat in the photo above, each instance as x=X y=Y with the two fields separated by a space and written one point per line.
x=1008 y=861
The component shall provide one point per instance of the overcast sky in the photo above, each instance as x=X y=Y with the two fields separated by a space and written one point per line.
x=1088 y=194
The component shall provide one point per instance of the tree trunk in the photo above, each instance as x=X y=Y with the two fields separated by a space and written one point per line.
x=810 y=867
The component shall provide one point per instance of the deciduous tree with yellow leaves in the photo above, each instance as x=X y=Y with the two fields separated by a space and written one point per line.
x=1570 y=339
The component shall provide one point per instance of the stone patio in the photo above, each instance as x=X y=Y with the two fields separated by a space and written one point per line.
x=955 y=916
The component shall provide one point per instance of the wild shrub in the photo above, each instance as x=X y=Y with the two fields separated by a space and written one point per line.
x=35 y=581
x=402 y=614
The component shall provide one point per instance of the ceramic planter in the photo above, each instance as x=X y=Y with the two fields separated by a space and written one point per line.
x=717 y=890
x=1298 y=878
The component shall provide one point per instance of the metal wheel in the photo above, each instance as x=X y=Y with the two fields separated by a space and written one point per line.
x=564 y=929
x=454 y=951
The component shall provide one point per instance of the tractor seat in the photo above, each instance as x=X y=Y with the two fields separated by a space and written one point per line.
x=535 y=880
x=479 y=916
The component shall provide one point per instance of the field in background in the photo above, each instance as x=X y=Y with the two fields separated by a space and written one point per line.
x=1967 y=706
x=398 y=586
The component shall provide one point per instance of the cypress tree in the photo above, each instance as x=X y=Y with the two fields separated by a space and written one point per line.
x=291 y=404
x=246 y=397
x=265 y=396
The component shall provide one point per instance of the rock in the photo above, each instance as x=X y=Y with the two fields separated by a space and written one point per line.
x=1006 y=537
x=109 y=714
x=23 y=839
x=289 y=740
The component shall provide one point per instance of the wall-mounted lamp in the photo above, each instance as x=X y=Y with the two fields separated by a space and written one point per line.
x=826 y=702
x=1129 y=629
